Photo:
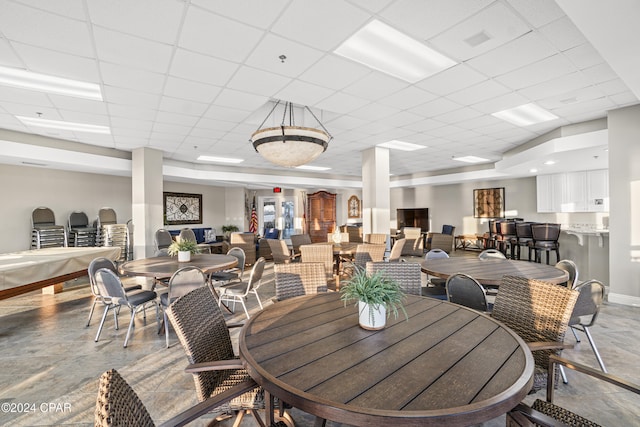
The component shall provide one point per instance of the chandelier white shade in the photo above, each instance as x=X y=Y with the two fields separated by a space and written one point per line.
x=290 y=145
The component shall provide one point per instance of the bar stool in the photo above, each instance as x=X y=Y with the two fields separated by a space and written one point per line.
x=523 y=237
x=507 y=238
x=545 y=238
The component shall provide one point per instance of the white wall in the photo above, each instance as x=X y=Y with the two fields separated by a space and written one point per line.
x=25 y=188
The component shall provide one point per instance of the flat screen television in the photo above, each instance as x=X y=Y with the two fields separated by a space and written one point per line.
x=413 y=217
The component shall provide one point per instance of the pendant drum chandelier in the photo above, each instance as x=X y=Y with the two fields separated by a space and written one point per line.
x=290 y=145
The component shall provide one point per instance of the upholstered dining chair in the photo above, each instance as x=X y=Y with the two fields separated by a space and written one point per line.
x=464 y=290
x=112 y=290
x=234 y=274
x=118 y=404
x=204 y=335
x=181 y=283
x=545 y=413
x=163 y=239
x=407 y=274
x=540 y=313
x=95 y=265
x=491 y=253
x=300 y=278
x=238 y=292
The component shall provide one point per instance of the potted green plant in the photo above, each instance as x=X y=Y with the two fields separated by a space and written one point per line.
x=184 y=249
x=228 y=229
x=376 y=296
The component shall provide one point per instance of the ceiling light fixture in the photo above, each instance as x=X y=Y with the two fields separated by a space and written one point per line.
x=57 y=124
x=525 y=115
x=44 y=83
x=386 y=49
x=401 y=145
x=549 y=162
x=287 y=144
x=219 y=159
x=470 y=159
x=313 y=168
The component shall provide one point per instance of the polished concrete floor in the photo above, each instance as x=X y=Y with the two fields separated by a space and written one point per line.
x=51 y=364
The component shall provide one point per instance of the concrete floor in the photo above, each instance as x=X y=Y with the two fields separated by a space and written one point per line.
x=51 y=364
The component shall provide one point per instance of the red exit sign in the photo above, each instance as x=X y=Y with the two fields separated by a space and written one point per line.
x=277 y=190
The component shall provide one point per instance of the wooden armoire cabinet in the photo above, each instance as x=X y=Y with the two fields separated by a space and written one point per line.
x=321 y=215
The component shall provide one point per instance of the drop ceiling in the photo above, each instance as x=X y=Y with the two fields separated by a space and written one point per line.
x=192 y=78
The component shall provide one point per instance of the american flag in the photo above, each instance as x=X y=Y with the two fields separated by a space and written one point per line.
x=253 y=224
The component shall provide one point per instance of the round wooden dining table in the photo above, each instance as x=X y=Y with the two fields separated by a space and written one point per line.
x=490 y=271
x=163 y=267
x=446 y=365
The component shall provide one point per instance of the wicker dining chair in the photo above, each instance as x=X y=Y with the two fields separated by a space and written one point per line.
x=319 y=253
x=301 y=278
x=376 y=238
x=118 y=405
x=396 y=250
x=366 y=252
x=539 y=312
x=407 y=274
x=298 y=240
x=547 y=414
x=280 y=251
x=201 y=329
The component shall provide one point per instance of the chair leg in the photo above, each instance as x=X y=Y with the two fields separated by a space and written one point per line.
x=166 y=329
x=594 y=348
x=133 y=316
x=563 y=375
x=93 y=306
x=245 y=307
x=574 y=334
x=104 y=316
x=258 y=298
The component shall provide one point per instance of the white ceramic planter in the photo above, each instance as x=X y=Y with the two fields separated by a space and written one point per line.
x=184 y=256
x=372 y=321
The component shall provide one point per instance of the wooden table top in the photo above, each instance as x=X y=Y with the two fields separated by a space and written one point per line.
x=491 y=270
x=346 y=248
x=446 y=365
x=164 y=267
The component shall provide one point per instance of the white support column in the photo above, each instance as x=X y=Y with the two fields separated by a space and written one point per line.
x=146 y=198
x=376 y=214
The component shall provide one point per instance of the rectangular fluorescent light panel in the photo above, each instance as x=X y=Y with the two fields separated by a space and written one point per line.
x=219 y=159
x=56 y=124
x=401 y=145
x=313 y=168
x=386 y=49
x=470 y=159
x=525 y=115
x=44 y=83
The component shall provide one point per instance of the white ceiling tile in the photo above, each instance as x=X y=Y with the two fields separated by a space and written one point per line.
x=188 y=89
x=538 y=12
x=435 y=107
x=31 y=110
x=208 y=33
x=170 y=129
x=125 y=123
x=58 y=64
x=403 y=118
x=253 y=80
x=523 y=51
x=232 y=115
x=345 y=123
x=240 y=100
x=541 y=71
x=122 y=49
x=623 y=99
x=478 y=123
x=201 y=68
x=458 y=116
x=303 y=93
x=496 y=22
x=266 y=56
x=371 y=5
x=8 y=58
x=559 y=85
x=563 y=34
x=478 y=93
x=600 y=73
x=79 y=104
x=118 y=95
x=23 y=96
x=570 y=98
x=182 y=106
x=131 y=111
x=613 y=87
x=256 y=13
x=69 y=8
x=129 y=78
x=35 y=27
x=334 y=72
x=374 y=111
x=341 y=103
x=84 y=117
x=407 y=98
x=417 y=17
x=152 y=19
x=374 y=86
x=451 y=80
x=424 y=125
x=308 y=22
x=584 y=56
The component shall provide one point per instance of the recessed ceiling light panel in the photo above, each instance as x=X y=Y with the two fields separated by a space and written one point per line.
x=57 y=124
x=44 y=83
x=216 y=159
x=313 y=168
x=386 y=49
x=470 y=159
x=525 y=115
x=401 y=145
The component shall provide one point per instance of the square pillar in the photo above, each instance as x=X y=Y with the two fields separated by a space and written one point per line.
x=146 y=199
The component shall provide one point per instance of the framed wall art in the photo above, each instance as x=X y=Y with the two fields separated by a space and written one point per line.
x=182 y=208
x=354 y=207
x=488 y=203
